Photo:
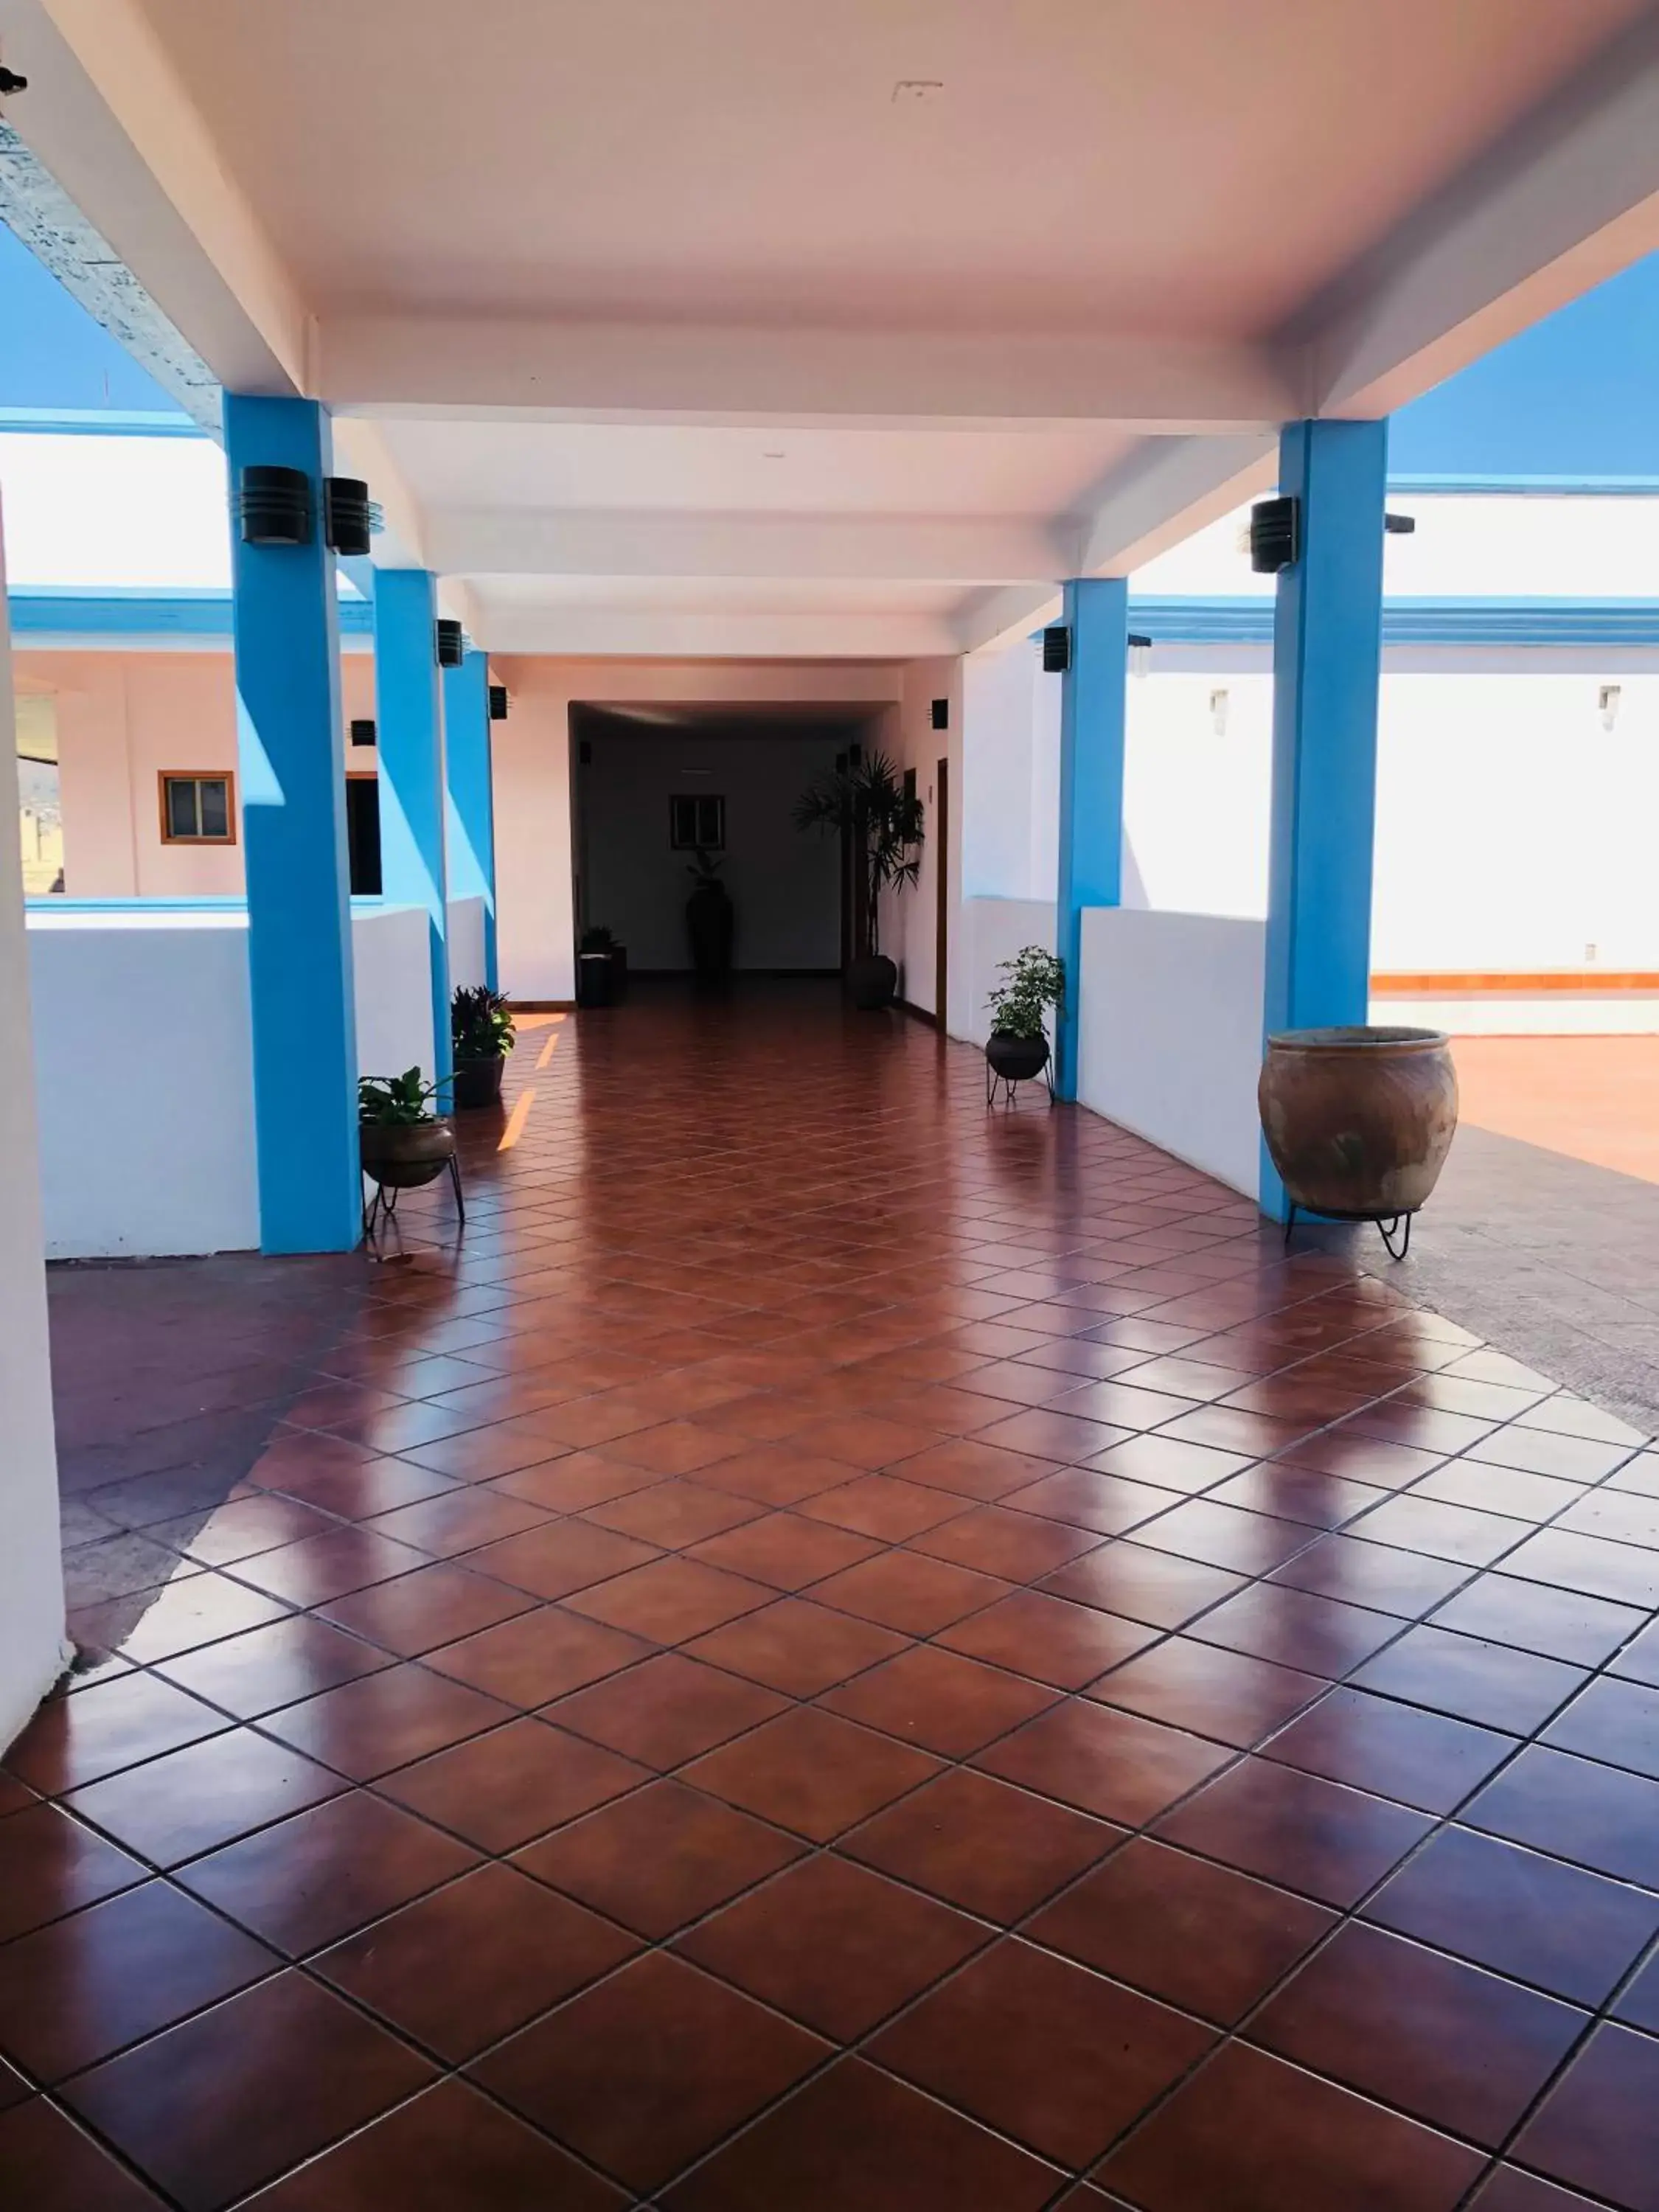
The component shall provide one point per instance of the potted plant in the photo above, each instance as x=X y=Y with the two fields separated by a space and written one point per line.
x=709 y=920
x=601 y=943
x=1018 y=1048
x=867 y=802
x=481 y=1031
x=403 y=1143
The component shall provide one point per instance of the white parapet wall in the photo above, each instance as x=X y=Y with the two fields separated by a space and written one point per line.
x=145 y=1076
x=392 y=957
x=466 y=943
x=1169 y=1042
x=993 y=930
x=143 y=1064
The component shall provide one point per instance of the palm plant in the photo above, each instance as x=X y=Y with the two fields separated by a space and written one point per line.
x=867 y=801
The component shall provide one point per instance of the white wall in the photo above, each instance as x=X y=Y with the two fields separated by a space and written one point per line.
x=33 y=1651
x=165 y=1162
x=909 y=919
x=785 y=887
x=990 y=931
x=467 y=942
x=1514 y=832
x=156 y=1154
x=391 y=965
x=1170 y=1041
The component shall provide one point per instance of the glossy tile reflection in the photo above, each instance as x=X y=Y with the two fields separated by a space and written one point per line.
x=837 y=1649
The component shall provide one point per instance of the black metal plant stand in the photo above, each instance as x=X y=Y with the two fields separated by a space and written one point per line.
x=991 y=1079
x=383 y=1205
x=1388 y=1227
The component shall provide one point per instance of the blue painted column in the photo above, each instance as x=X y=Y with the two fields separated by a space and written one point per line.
x=292 y=758
x=469 y=823
x=409 y=732
x=1092 y=707
x=1328 y=644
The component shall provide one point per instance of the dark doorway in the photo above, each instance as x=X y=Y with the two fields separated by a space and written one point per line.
x=363 y=835
x=656 y=787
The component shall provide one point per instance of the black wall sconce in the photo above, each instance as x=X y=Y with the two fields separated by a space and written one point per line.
x=1056 y=650
x=273 y=505
x=362 y=732
x=1275 y=535
x=498 y=703
x=348 y=516
x=1400 y=525
x=941 y=713
x=451 y=644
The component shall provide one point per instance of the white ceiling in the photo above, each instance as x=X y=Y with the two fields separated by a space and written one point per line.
x=746 y=159
x=928 y=469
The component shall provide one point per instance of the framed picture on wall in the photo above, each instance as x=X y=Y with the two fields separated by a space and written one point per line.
x=698 y=820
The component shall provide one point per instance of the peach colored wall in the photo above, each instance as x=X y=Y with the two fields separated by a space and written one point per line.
x=123 y=719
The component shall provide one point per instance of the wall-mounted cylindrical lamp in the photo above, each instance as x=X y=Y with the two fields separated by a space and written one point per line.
x=1056 y=649
x=1275 y=535
x=347 y=517
x=498 y=703
x=451 y=644
x=273 y=505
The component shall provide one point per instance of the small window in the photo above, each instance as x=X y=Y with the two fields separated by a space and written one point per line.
x=697 y=821
x=198 y=810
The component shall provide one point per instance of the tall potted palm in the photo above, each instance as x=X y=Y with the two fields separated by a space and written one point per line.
x=867 y=803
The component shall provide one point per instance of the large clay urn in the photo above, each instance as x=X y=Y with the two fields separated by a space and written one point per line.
x=1358 y=1121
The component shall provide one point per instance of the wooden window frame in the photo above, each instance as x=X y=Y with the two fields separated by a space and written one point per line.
x=164 y=776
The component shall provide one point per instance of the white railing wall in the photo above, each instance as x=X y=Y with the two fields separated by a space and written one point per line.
x=992 y=930
x=1169 y=1042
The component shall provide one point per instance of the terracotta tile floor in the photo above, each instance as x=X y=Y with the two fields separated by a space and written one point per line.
x=837 y=1653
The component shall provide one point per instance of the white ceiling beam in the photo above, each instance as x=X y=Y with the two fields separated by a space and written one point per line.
x=553 y=370
x=1163 y=492
x=622 y=542
x=361 y=450
x=1567 y=198
x=107 y=116
x=627 y=633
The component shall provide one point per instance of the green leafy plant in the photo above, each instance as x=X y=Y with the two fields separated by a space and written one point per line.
x=867 y=800
x=1037 y=980
x=598 y=939
x=395 y=1100
x=480 y=1023
x=704 y=871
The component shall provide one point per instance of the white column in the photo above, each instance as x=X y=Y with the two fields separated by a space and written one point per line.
x=33 y=1651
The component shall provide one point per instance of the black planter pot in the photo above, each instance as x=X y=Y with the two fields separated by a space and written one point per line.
x=872 y=982
x=710 y=923
x=594 y=979
x=1017 y=1058
x=479 y=1082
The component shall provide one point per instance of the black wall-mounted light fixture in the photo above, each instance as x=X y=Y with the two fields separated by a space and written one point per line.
x=1275 y=535
x=273 y=505
x=10 y=82
x=451 y=644
x=1056 y=649
x=941 y=713
x=362 y=731
x=498 y=703
x=347 y=515
x=1400 y=525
